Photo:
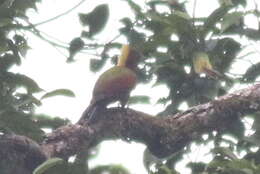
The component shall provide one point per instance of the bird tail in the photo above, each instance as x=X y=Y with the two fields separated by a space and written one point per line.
x=88 y=113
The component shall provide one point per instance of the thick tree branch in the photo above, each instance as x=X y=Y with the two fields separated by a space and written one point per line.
x=19 y=154
x=162 y=135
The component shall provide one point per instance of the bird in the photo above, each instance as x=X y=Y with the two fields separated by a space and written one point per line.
x=115 y=84
x=202 y=64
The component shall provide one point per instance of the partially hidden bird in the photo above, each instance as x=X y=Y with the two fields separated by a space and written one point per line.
x=115 y=84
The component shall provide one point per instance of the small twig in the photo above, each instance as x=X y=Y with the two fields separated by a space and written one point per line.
x=116 y=37
x=47 y=40
x=31 y=28
x=56 y=39
x=60 y=15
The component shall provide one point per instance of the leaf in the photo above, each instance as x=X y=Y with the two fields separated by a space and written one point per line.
x=214 y=18
x=6 y=13
x=224 y=54
x=3 y=45
x=21 y=124
x=177 y=22
x=153 y=3
x=225 y=2
x=96 y=64
x=136 y=8
x=47 y=165
x=162 y=100
x=256 y=124
x=197 y=167
x=239 y=2
x=21 y=44
x=127 y=22
x=139 y=99
x=236 y=128
x=5 y=22
x=48 y=121
x=149 y=159
x=6 y=4
x=8 y=60
x=20 y=80
x=75 y=46
x=242 y=165
x=252 y=73
x=96 y=19
x=230 y=19
x=109 y=169
x=226 y=152
x=22 y=5
x=255 y=138
x=26 y=99
x=23 y=48
x=59 y=92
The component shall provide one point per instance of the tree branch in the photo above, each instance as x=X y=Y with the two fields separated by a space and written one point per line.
x=19 y=154
x=162 y=135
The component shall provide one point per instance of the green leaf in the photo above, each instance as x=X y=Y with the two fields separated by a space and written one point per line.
x=27 y=99
x=47 y=165
x=96 y=19
x=22 y=124
x=242 y=165
x=20 y=80
x=149 y=159
x=139 y=99
x=76 y=45
x=46 y=121
x=214 y=18
x=236 y=128
x=21 y=44
x=8 y=60
x=59 y=92
x=239 y=2
x=177 y=22
x=111 y=169
x=225 y=2
x=226 y=152
x=22 y=5
x=96 y=64
x=231 y=19
x=162 y=100
x=153 y=3
x=135 y=7
x=197 y=167
x=3 y=45
x=255 y=138
x=224 y=54
x=252 y=73
x=5 y=21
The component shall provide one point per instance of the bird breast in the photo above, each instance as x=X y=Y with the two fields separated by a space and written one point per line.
x=113 y=82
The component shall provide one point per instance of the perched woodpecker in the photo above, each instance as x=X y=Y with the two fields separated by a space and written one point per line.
x=115 y=84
